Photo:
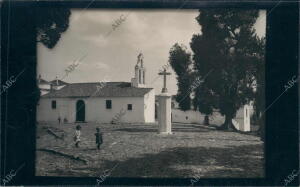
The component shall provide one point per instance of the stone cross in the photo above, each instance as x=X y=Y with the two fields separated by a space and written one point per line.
x=164 y=73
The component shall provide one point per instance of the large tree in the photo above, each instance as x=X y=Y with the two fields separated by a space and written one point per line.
x=51 y=23
x=229 y=47
x=180 y=61
x=204 y=101
x=259 y=97
x=21 y=97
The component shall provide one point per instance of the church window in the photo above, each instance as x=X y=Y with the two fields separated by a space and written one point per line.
x=53 y=104
x=108 y=104
x=129 y=107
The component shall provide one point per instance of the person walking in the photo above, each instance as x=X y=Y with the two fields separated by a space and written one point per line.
x=99 y=139
x=77 y=135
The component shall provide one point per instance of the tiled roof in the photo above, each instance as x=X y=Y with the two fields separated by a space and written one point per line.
x=96 y=89
x=42 y=81
x=60 y=83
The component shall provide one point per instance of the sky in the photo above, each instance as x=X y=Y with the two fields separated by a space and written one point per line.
x=110 y=55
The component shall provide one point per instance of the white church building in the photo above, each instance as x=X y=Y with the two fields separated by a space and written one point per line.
x=100 y=102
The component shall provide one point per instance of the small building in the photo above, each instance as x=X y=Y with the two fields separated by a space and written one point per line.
x=100 y=101
x=57 y=84
x=46 y=86
x=43 y=85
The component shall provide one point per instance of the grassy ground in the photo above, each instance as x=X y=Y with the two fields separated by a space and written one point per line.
x=136 y=150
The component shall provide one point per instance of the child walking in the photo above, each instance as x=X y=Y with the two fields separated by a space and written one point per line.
x=99 y=139
x=77 y=135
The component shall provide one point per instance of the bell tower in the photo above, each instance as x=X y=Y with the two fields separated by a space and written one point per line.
x=139 y=73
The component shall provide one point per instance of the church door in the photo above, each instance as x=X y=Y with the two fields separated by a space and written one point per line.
x=80 y=111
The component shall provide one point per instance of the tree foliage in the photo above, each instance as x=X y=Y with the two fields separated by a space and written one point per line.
x=180 y=60
x=51 y=23
x=228 y=46
x=259 y=97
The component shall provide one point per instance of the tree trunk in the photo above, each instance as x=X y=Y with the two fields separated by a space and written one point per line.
x=206 y=120
x=261 y=131
x=227 y=125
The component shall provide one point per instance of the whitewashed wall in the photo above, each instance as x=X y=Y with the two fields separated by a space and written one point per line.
x=188 y=116
x=149 y=106
x=44 y=86
x=95 y=109
x=46 y=113
x=191 y=116
x=241 y=122
x=43 y=92
x=216 y=118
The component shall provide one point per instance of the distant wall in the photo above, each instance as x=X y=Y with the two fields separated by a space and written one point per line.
x=188 y=116
x=191 y=116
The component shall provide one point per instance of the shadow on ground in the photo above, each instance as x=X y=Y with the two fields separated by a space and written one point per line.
x=175 y=128
x=234 y=162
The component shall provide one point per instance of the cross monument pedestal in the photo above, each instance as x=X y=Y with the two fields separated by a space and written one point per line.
x=164 y=109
